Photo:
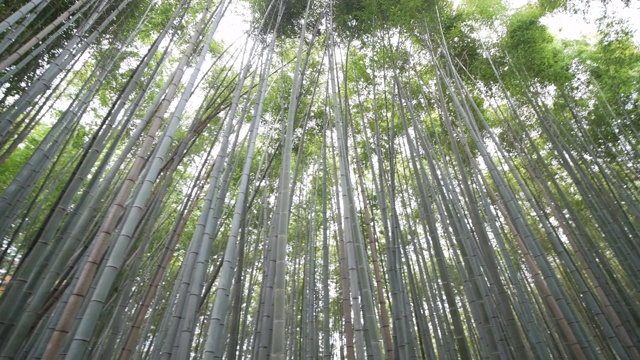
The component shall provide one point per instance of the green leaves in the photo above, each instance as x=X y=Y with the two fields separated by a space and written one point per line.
x=358 y=67
x=531 y=51
x=613 y=67
x=484 y=10
x=355 y=18
x=291 y=13
x=10 y=167
x=495 y=167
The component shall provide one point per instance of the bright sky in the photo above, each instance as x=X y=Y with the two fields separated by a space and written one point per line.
x=234 y=24
x=574 y=26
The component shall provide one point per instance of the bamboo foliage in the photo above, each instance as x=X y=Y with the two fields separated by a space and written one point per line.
x=351 y=180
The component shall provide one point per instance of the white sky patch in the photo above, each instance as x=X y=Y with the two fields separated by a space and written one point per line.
x=515 y=4
x=234 y=25
x=570 y=26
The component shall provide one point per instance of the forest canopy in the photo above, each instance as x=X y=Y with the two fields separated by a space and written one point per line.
x=347 y=179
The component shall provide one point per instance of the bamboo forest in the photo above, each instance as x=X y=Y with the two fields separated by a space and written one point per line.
x=318 y=179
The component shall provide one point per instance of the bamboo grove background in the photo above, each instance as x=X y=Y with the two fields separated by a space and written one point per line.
x=354 y=179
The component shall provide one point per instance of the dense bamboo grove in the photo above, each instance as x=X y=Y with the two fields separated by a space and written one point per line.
x=351 y=180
